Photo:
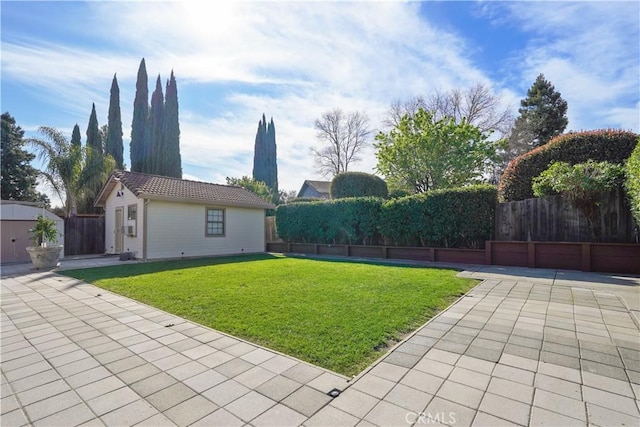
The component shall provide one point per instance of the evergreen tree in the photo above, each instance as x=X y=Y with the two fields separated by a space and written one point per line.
x=171 y=131
x=272 y=163
x=113 y=143
x=258 y=151
x=94 y=138
x=543 y=115
x=104 y=133
x=265 y=166
x=155 y=143
x=18 y=176
x=75 y=136
x=138 y=143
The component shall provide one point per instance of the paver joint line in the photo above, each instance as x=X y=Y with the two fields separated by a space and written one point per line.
x=564 y=350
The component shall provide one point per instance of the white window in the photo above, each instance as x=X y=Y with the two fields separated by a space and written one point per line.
x=214 y=222
x=132 y=215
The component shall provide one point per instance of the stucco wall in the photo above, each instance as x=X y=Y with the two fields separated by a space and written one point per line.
x=130 y=244
x=178 y=229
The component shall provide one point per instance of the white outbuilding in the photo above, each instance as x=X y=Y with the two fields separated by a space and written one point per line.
x=153 y=217
x=17 y=219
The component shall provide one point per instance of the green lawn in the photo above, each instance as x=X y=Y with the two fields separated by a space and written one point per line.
x=338 y=315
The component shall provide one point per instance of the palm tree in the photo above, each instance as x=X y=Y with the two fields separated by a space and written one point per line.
x=74 y=172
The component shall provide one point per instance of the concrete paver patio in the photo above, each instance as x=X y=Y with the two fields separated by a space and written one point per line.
x=524 y=347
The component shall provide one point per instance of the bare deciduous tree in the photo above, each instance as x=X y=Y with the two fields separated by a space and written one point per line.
x=478 y=104
x=342 y=137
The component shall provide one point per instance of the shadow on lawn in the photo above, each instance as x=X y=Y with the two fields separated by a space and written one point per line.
x=119 y=271
x=400 y=263
x=91 y=275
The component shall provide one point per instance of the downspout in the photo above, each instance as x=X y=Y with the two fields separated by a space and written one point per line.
x=145 y=228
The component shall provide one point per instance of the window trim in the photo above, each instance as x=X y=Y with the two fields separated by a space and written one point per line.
x=135 y=220
x=223 y=222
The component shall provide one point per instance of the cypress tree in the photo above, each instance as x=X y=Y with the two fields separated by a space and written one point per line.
x=155 y=143
x=272 y=163
x=114 y=144
x=171 y=131
x=258 y=151
x=138 y=147
x=265 y=166
x=75 y=136
x=94 y=139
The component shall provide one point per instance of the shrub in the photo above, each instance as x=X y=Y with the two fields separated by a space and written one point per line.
x=44 y=231
x=350 y=221
x=609 y=145
x=402 y=220
x=459 y=217
x=305 y=200
x=462 y=217
x=632 y=182
x=397 y=193
x=582 y=185
x=578 y=182
x=358 y=184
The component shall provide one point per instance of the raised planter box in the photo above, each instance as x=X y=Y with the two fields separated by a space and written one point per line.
x=599 y=257
x=585 y=256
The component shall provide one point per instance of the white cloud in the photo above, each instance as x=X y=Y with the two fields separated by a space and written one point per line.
x=292 y=61
x=590 y=52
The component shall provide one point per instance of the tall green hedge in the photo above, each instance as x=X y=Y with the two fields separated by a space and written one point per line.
x=403 y=220
x=632 y=182
x=609 y=145
x=351 y=221
x=358 y=184
x=460 y=217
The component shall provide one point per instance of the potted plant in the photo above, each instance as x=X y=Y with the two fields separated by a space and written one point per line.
x=43 y=255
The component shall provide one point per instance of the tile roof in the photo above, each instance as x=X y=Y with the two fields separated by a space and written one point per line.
x=166 y=188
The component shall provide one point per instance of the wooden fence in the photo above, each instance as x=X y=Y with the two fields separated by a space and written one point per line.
x=270 y=229
x=598 y=257
x=551 y=219
x=84 y=235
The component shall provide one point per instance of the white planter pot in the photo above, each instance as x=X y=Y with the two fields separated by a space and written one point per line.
x=44 y=257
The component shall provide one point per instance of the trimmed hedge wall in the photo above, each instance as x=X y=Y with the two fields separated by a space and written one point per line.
x=351 y=221
x=632 y=182
x=609 y=145
x=358 y=184
x=306 y=200
x=460 y=217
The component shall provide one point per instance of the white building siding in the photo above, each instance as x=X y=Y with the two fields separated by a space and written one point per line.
x=131 y=244
x=178 y=229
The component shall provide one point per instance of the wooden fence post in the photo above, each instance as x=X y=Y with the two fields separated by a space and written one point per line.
x=586 y=256
x=487 y=252
x=531 y=254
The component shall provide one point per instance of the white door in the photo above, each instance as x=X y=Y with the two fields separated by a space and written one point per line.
x=119 y=231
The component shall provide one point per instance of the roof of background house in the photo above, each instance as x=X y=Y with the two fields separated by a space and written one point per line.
x=12 y=210
x=156 y=187
x=323 y=187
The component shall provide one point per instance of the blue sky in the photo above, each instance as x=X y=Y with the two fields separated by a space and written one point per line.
x=293 y=61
